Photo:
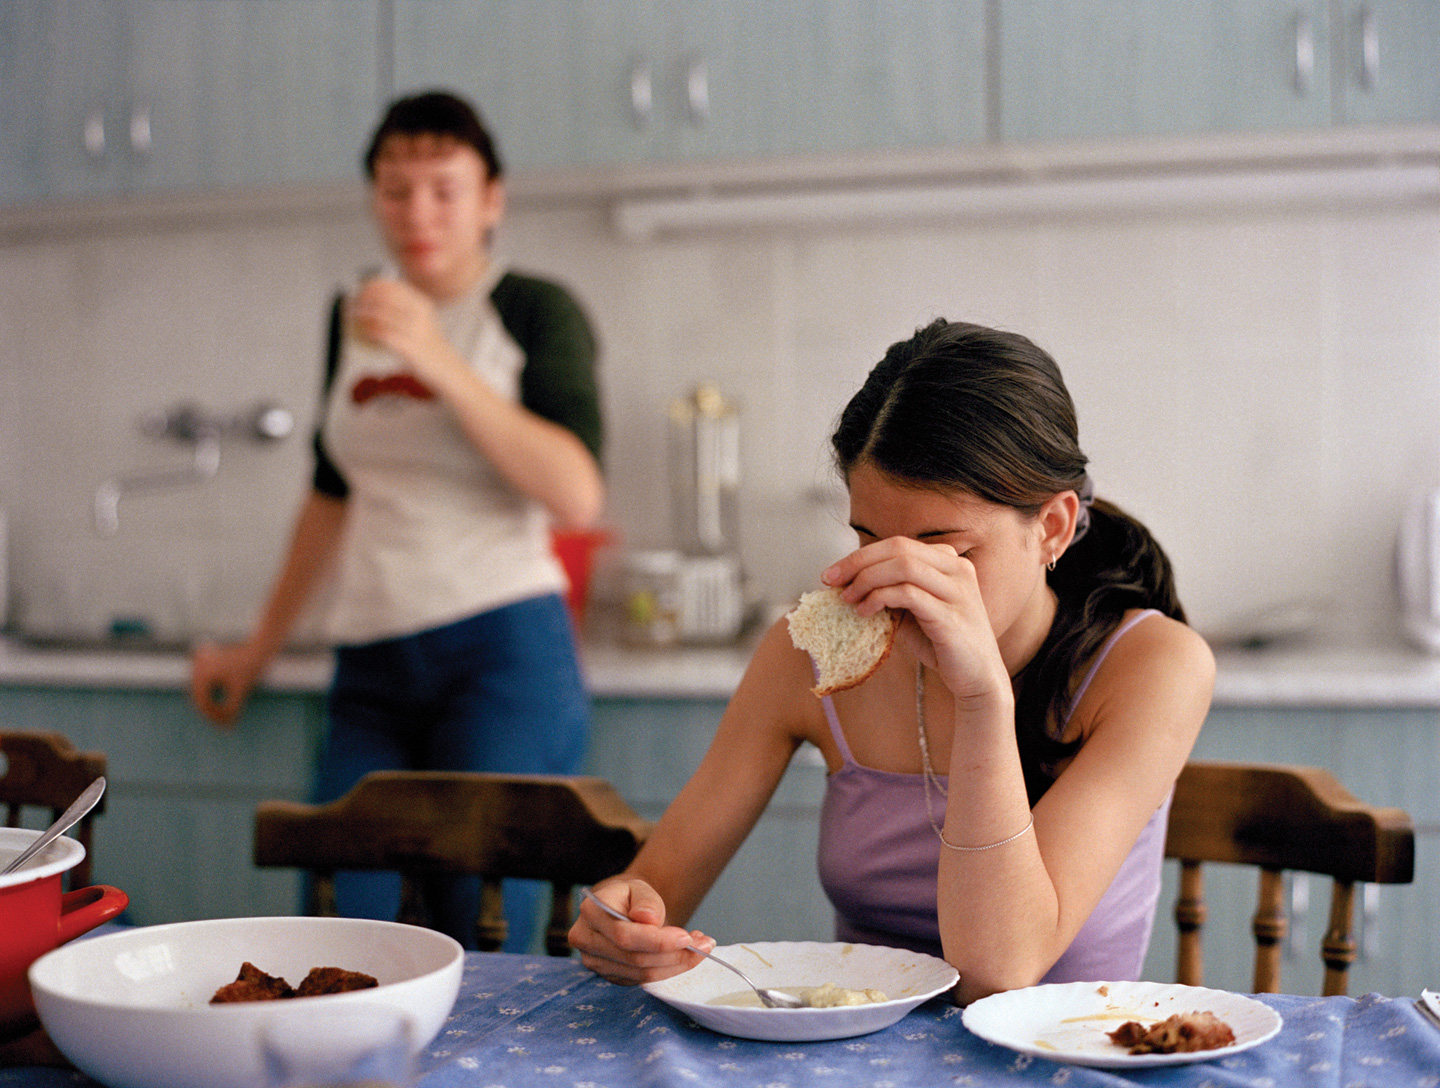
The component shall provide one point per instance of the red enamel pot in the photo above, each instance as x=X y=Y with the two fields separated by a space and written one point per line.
x=36 y=916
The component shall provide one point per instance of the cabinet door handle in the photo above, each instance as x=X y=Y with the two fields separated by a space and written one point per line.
x=94 y=135
x=1304 y=52
x=1369 y=48
x=697 y=91
x=642 y=93
x=140 y=135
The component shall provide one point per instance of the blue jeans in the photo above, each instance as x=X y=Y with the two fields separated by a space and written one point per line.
x=500 y=691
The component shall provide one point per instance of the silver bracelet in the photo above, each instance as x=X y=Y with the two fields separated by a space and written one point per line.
x=988 y=846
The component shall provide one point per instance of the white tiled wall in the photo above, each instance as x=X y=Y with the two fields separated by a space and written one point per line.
x=1263 y=388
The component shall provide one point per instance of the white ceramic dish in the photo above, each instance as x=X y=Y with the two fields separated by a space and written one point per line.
x=907 y=978
x=132 y=1009
x=1068 y=1022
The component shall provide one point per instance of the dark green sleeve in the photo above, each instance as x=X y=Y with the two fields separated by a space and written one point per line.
x=326 y=478
x=558 y=381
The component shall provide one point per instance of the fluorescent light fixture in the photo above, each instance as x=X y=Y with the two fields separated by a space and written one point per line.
x=644 y=218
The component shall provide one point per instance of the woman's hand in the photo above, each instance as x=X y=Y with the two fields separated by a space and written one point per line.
x=642 y=949
x=221 y=679
x=946 y=624
x=397 y=315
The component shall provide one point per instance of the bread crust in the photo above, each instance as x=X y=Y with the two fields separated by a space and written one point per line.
x=835 y=652
x=856 y=681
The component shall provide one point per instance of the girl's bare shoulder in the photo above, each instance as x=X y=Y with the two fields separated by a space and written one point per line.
x=777 y=682
x=1157 y=658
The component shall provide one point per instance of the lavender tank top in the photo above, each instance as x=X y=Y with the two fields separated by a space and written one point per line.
x=878 y=859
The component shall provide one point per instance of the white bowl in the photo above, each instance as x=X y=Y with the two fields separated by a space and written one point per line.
x=132 y=1009
x=907 y=979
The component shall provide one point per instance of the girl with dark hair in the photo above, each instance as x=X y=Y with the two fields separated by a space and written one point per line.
x=998 y=790
x=460 y=423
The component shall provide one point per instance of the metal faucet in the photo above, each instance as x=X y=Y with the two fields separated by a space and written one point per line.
x=202 y=431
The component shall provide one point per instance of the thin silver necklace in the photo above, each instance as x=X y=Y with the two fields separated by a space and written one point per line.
x=928 y=775
x=930 y=778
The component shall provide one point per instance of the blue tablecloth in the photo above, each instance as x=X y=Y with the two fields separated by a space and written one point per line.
x=528 y=1021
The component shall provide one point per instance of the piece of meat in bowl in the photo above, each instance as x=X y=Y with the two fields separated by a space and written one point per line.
x=252 y=984
x=333 y=980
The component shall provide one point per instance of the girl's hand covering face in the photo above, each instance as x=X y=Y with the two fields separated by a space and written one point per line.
x=946 y=625
x=968 y=573
x=640 y=950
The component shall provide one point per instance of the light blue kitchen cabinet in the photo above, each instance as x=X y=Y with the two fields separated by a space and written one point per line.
x=180 y=804
x=1088 y=68
x=1387 y=61
x=254 y=92
x=866 y=75
x=600 y=82
x=1091 y=68
x=61 y=97
x=106 y=97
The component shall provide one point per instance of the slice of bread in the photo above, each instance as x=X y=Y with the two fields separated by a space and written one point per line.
x=846 y=647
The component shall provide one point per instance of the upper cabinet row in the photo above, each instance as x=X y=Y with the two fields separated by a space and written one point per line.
x=119 y=96
x=1083 y=68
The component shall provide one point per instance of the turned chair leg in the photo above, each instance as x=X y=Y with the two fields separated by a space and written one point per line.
x=491 y=928
x=562 y=914
x=1190 y=915
x=1338 y=948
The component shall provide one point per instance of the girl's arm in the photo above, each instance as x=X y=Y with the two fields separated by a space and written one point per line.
x=705 y=824
x=539 y=458
x=1008 y=913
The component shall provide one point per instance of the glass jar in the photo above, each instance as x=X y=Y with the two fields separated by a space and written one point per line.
x=652 y=598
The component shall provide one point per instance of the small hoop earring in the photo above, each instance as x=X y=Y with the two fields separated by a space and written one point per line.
x=1050 y=565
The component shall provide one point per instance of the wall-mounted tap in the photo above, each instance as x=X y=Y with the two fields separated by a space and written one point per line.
x=190 y=424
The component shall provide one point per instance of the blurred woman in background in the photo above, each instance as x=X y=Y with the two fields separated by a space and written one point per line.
x=461 y=422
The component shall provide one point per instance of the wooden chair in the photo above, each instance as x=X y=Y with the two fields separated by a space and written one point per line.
x=1280 y=818
x=567 y=830
x=44 y=770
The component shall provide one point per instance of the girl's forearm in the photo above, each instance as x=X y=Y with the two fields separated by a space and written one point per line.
x=996 y=902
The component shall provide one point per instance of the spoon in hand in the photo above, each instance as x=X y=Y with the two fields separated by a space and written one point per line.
x=71 y=816
x=771 y=999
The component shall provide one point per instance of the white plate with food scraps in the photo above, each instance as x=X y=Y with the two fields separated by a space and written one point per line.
x=1071 y=1021
x=905 y=978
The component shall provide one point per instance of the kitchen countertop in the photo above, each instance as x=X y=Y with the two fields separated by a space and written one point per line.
x=1295 y=675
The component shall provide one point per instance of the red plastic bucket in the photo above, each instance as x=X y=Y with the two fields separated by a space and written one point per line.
x=575 y=548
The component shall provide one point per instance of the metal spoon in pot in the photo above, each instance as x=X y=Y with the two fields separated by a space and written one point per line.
x=71 y=816
x=771 y=999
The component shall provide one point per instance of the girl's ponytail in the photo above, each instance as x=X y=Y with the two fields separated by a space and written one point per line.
x=1116 y=566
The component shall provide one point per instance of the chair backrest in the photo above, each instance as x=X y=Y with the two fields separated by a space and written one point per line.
x=1279 y=818
x=564 y=829
x=44 y=770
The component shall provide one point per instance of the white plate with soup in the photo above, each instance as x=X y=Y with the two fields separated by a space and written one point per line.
x=715 y=998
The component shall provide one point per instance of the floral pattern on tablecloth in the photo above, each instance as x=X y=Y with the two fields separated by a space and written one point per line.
x=555 y=1024
x=538 y=1022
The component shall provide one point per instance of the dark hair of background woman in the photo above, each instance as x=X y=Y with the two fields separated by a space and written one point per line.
x=964 y=407
x=435 y=113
